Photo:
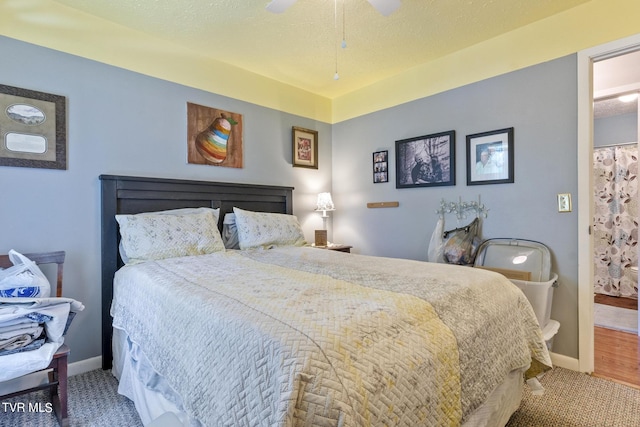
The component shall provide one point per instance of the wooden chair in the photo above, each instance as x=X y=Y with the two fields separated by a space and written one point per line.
x=57 y=374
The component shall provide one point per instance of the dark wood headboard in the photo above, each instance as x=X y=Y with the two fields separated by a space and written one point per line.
x=132 y=194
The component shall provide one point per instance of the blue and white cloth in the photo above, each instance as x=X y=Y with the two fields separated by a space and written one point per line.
x=31 y=330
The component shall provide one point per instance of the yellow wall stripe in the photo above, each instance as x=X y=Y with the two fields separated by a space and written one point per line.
x=50 y=24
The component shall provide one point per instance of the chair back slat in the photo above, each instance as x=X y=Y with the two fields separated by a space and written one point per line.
x=42 y=258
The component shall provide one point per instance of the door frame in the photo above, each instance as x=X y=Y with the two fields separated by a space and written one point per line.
x=586 y=58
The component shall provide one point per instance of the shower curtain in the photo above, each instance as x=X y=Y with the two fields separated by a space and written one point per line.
x=615 y=222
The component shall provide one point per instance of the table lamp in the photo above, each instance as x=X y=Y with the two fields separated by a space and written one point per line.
x=324 y=205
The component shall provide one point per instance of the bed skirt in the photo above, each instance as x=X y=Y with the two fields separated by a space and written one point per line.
x=152 y=397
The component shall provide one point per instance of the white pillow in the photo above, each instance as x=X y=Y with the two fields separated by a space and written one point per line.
x=257 y=229
x=230 y=232
x=152 y=236
x=180 y=211
x=186 y=211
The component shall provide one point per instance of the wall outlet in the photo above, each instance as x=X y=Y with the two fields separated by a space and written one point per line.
x=564 y=202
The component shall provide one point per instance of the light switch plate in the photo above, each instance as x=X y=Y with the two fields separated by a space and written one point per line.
x=564 y=202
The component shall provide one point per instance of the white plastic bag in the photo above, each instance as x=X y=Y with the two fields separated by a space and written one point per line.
x=24 y=279
x=436 y=245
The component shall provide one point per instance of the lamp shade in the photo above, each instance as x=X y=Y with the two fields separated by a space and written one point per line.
x=325 y=203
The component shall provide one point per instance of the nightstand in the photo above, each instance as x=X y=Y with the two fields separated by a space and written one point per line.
x=340 y=248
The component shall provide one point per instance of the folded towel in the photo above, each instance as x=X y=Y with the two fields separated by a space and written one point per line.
x=18 y=341
x=14 y=330
x=34 y=345
x=37 y=354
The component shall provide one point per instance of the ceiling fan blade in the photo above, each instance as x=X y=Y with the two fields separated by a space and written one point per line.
x=385 y=7
x=279 y=6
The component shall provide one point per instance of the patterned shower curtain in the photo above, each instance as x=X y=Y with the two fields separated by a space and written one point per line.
x=615 y=222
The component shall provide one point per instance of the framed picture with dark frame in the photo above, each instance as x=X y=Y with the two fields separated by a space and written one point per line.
x=490 y=157
x=380 y=166
x=33 y=128
x=305 y=148
x=426 y=161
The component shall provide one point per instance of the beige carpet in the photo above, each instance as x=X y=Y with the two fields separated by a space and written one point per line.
x=571 y=399
x=575 y=399
x=93 y=402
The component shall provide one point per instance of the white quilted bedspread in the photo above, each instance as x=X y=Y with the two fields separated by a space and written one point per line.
x=309 y=337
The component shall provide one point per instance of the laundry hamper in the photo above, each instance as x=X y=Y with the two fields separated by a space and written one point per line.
x=528 y=265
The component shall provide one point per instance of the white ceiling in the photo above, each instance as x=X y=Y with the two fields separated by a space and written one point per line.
x=302 y=45
x=613 y=77
x=613 y=107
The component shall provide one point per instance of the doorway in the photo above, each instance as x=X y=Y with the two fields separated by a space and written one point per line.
x=588 y=62
x=616 y=84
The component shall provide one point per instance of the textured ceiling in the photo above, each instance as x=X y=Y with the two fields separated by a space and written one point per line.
x=619 y=75
x=613 y=107
x=302 y=45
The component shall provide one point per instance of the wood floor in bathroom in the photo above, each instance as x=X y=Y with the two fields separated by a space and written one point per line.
x=617 y=354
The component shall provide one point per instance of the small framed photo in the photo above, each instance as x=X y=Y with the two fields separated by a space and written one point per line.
x=380 y=166
x=490 y=157
x=426 y=161
x=305 y=148
x=33 y=129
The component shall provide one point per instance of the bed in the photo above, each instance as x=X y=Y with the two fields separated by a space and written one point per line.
x=285 y=335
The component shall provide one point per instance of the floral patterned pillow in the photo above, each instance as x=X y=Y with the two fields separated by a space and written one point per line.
x=260 y=229
x=150 y=236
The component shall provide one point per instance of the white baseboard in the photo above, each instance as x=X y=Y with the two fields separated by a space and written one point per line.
x=86 y=365
x=34 y=380
x=566 y=362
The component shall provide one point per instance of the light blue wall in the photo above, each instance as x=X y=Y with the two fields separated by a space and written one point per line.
x=120 y=122
x=615 y=129
x=124 y=123
x=540 y=103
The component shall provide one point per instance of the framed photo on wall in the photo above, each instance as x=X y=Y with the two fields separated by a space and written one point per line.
x=33 y=129
x=426 y=161
x=380 y=166
x=490 y=157
x=305 y=148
